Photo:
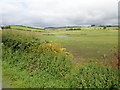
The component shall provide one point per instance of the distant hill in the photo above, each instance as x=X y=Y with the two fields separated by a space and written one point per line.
x=92 y=27
x=21 y=27
x=86 y=26
x=61 y=27
x=28 y=28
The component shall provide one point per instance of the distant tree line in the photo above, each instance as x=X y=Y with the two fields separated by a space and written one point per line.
x=73 y=29
x=93 y=25
x=5 y=27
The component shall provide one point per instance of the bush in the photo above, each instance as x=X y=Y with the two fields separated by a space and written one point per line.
x=104 y=27
x=71 y=29
x=33 y=55
x=94 y=76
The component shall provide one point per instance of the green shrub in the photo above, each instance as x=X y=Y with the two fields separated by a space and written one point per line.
x=36 y=56
x=94 y=76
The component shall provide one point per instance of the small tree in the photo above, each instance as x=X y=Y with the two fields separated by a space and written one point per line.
x=92 y=25
x=104 y=27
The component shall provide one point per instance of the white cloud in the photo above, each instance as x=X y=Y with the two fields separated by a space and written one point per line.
x=59 y=12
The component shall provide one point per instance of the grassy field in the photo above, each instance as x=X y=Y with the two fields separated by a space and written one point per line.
x=86 y=44
x=26 y=28
x=87 y=28
x=60 y=59
x=99 y=28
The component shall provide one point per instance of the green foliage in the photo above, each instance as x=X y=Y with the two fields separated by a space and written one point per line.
x=104 y=27
x=6 y=27
x=40 y=56
x=25 y=28
x=95 y=76
x=30 y=63
x=71 y=29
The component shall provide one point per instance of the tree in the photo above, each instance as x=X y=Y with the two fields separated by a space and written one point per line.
x=6 y=27
x=92 y=25
x=104 y=27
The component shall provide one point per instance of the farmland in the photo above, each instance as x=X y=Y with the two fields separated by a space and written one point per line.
x=26 y=28
x=86 y=57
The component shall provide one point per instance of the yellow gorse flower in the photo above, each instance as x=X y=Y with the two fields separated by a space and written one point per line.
x=52 y=47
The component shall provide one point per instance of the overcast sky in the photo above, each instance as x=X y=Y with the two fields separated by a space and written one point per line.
x=45 y=13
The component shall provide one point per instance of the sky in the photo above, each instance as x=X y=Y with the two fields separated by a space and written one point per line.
x=54 y=13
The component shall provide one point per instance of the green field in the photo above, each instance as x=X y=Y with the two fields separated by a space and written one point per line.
x=85 y=58
x=26 y=28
